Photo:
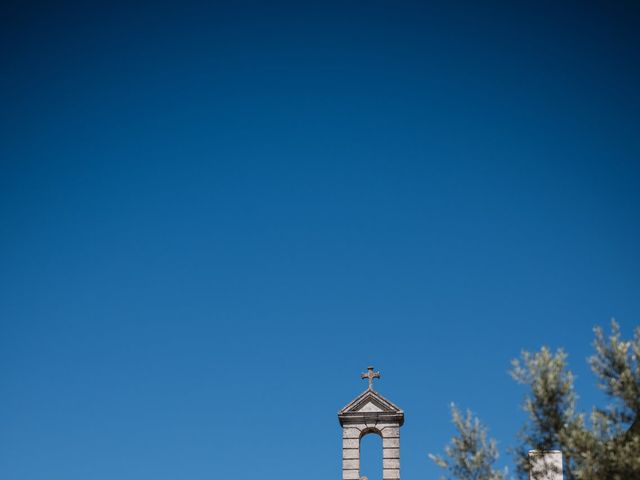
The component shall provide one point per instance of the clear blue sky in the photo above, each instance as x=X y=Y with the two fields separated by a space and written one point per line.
x=214 y=217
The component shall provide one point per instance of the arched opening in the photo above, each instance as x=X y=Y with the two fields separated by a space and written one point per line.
x=371 y=455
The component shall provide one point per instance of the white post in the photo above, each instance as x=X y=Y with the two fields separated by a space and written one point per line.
x=545 y=465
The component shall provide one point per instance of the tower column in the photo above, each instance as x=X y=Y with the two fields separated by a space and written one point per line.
x=350 y=453
x=391 y=452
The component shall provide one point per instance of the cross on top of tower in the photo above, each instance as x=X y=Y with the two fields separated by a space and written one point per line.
x=370 y=375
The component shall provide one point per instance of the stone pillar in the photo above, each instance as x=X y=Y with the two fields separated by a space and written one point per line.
x=391 y=452
x=351 y=453
x=545 y=465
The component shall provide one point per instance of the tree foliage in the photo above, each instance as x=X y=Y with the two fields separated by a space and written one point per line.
x=470 y=454
x=550 y=404
x=604 y=445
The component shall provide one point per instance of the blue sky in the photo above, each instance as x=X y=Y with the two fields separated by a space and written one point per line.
x=214 y=217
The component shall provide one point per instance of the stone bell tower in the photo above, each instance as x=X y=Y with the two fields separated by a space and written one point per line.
x=369 y=413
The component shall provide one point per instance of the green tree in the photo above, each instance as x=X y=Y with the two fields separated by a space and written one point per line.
x=606 y=446
x=550 y=405
x=470 y=454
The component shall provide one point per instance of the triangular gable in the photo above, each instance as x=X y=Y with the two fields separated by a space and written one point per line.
x=370 y=401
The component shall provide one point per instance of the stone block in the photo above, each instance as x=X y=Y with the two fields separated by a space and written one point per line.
x=351 y=464
x=350 y=453
x=391 y=432
x=382 y=425
x=391 y=474
x=350 y=443
x=390 y=453
x=391 y=442
x=351 y=432
x=350 y=474
x=391 y=463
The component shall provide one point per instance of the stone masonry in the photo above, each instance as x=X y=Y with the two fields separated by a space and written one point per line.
x=371 y=413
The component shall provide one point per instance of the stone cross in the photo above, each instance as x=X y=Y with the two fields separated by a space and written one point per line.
x=370 y=375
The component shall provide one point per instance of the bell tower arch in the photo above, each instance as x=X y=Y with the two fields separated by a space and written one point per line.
x=370 y=413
